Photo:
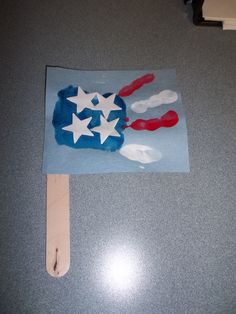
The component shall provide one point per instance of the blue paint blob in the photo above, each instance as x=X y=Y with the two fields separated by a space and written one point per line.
x=62 y=117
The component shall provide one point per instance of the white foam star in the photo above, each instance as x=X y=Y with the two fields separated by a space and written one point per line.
x=78 y=127
x=106 y=105
x=83 y=100
x=106 y=129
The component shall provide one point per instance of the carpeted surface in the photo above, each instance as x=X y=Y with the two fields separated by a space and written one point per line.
x=179 y=228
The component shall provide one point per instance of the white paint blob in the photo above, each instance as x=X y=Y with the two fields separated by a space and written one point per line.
x=142 y=153
x=164 y=97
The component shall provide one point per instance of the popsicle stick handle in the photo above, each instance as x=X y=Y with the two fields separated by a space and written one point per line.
x=58 y=225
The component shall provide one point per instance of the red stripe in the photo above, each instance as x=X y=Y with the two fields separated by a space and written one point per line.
x=136 y=84
x=168 y=120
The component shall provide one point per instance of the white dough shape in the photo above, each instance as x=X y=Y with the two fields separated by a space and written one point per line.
x=78 y=127
x=142 y=153
x=164 y=97
x=106 y=129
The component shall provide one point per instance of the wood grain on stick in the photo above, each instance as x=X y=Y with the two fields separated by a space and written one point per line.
x=58 y=225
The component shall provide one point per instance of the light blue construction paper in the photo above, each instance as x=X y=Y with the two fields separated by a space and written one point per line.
x=171 y=142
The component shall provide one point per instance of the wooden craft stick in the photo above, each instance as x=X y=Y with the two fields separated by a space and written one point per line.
x=58 y=225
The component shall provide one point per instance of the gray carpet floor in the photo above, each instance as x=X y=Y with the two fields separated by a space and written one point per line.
x=180 y=227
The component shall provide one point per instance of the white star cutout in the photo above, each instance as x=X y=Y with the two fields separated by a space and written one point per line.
x=78 y=127
x=106 y=105
x=83 y=100
x=106 y=129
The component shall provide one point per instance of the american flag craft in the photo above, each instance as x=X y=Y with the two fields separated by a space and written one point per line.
x=112 y=121
x=87 y=119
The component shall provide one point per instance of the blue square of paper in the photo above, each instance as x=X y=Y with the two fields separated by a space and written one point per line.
x=171 y=143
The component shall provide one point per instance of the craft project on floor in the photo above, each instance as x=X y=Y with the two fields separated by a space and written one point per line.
x=114 y=121
x=106 y=121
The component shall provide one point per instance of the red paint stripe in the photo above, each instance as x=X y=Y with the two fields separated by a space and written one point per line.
x=136 y=84
x=168 y=120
